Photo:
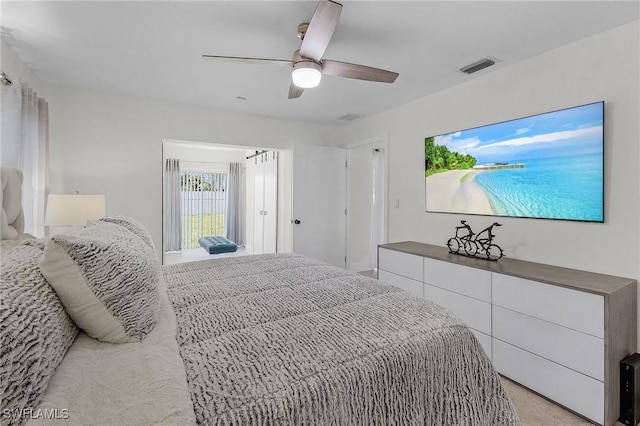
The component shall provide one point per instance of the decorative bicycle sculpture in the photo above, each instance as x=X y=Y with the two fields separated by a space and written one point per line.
x=480 y=245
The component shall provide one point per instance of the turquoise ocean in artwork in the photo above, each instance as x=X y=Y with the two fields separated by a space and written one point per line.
x=569 y=187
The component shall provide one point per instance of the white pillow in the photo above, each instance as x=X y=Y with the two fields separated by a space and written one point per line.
x=107 y=279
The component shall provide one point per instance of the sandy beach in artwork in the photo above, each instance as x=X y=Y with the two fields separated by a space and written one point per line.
x=456 y=191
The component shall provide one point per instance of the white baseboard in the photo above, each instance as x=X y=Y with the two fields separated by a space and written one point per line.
x=360 y=266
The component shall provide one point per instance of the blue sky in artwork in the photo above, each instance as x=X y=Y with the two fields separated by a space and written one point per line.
x=573 y=131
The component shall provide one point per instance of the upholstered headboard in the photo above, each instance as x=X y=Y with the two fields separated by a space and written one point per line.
x=12 y=221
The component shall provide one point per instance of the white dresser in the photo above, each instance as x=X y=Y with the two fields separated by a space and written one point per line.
x=558 y=331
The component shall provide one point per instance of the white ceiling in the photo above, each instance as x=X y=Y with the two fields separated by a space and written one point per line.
x=153 y=48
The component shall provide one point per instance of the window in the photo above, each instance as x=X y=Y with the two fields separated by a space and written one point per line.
x=204 y=205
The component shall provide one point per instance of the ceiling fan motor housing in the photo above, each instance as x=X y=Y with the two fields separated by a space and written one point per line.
x=302 y=30
x=306 y=74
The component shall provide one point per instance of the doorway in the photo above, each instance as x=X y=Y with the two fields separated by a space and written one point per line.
x=367 y=194
x=207 y=201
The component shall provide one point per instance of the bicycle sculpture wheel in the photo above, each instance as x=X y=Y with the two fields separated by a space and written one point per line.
x=454 y=245
x=467 y=243
x=494 y=252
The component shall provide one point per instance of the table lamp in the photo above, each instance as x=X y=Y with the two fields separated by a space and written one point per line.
x=73 y=209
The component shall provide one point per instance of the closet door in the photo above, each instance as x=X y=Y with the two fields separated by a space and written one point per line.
x=258 y=214
x=265 y=225
x=270 y=202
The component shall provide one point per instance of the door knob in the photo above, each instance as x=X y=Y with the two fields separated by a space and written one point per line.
x=297 y=222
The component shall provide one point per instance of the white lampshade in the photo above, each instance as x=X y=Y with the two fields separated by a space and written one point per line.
x=306 y=74
x=73 y=210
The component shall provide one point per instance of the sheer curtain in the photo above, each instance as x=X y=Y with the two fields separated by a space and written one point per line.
x=379 y=203
x=25 y=145
x=172 y=198
x=235 y=204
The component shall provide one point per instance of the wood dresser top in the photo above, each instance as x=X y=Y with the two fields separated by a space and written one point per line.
x=571 y=278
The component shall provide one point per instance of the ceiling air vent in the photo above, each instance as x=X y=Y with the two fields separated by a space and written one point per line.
x=349 y=117
x=477 y=66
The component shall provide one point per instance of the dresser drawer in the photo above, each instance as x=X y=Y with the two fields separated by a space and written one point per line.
x=579 y=351
x=563 y=306
x=575 y=391
x=407 y=284
x=475 y=313
x=407 y=265
x=471 y=282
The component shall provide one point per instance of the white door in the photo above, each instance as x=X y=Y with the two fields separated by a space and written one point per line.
x=265 y=225
x=270 y=215
x=258 y=215
x=319 y=203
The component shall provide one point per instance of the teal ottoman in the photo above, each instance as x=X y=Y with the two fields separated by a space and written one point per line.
x=217 y=245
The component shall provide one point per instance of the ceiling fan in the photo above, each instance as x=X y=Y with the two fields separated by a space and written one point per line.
x=307 y=62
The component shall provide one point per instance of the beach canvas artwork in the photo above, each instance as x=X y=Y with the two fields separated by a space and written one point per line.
x=546 y=166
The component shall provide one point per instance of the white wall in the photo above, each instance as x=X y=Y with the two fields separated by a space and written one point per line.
x=603 y=67
x=18 y=71
x=193 y=154
x=112 y=144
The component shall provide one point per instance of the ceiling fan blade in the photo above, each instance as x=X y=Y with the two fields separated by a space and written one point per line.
x=295 y=91
x=360 y=72
x=261 y=61
x=323 y=24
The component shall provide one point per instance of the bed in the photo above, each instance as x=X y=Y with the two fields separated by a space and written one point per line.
x=267 y=339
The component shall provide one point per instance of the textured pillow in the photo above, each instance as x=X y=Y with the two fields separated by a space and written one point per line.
x=108 y=281
x=35 y=332
x=132 y=225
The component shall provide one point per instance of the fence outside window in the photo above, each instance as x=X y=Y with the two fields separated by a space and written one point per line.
x=203 y=206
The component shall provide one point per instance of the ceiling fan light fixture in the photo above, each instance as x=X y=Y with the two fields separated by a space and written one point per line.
x=306 y=74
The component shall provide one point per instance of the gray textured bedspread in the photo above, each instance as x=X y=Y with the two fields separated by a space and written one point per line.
x=285 y=339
